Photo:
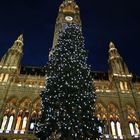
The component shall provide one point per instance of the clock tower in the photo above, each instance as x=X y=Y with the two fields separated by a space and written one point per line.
x=68 y=13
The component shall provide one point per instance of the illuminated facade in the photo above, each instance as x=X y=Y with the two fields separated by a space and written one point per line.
x=118 y=91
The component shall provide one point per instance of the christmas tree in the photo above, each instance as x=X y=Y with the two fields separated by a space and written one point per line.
x=68 y=101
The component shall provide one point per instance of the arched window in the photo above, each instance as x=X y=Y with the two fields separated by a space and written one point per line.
x=24 y=123
x=32 y=121
x=100 y=129
x=22 y=118
x=4 y=121
x=114 y=121
x=18 y=121
x=131 y=129
x=101 y=115
x=133 y=125
x=113 y=129
x=10 y=123
x=137 y=128
x=119 y=131
x=35 y=114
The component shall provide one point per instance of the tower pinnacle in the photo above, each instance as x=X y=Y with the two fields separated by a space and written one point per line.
x=14 y=54
x=69 y=12
x=116 y=63
x=111 y=45
x=20 y=38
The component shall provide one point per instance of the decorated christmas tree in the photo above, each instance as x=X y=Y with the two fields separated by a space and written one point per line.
x=68 y=100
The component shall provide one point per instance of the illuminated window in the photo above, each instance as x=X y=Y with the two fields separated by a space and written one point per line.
x=4 y=121
x=121 y=86
x=32 y=121
x=24 y=124
x=10 y=123
x=125 y=85
x=32 y=125
x=18 y=123
x=1 y=77
x=6 y=78
x=137 y=128
x=119 y=131
x=132 y=129
x=113 y=130
x=100 y=129
x=133 y=125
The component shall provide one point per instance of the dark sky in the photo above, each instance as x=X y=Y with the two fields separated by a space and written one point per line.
x=103 y=21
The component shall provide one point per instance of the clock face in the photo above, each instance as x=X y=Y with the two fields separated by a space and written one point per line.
x=68 y=18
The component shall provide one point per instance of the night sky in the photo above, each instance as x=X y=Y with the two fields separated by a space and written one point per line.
x=103 y=21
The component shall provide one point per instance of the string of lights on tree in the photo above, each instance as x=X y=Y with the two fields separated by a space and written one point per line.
x=68 y=100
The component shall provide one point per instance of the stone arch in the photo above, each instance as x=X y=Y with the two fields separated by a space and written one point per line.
x=101 y=110
x=9 y=113
x=132 y=119
x=36 y=104
x=114 y=120
x=113 y=108
x=34 y=114
x=25 y=103
x=23 y=115
x=11 y=104
x=131 y=112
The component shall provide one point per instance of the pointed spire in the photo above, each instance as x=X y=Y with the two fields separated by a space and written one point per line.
x=69 y=6
x=14 y=54
x=116 y=62
x=111 y=45
x=113 y=52
x=20 y=38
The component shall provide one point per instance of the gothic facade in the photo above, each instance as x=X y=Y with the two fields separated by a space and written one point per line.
x=118 y=91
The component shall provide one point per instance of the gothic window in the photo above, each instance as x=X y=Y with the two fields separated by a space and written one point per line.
x=34 y=115
x=8 y=116
x=121 y=85
x=132 y=121
x=18 y=121
x=32 y=121
x=1 y=77
x=113 y=130
x=6 y=78
x=118 y=125
x=126 y=85
x=115 y=125
x=131 y=127
x=24 y=123
x=101 y=115
x=4 y=121
x=10 y=123
x=22 y=118
x=137 y=128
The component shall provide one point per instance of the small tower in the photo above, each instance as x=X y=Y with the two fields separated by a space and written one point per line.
x=13 y=56
x=68 y=13
x=10 y=62
x=118 y=71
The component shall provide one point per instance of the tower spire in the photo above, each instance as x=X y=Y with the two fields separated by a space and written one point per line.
x=14 y=54
x=20 y=38
x=116 y=63
x=69 y=12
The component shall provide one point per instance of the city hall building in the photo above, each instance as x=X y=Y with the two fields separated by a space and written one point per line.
x=118 y=90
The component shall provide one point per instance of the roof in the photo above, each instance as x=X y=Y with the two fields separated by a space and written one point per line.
x=40 y=71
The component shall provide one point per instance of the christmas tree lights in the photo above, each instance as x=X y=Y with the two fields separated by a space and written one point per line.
x=68 y=100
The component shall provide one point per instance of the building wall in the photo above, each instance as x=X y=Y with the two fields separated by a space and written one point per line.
x=118 y=91
x=20 y=98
